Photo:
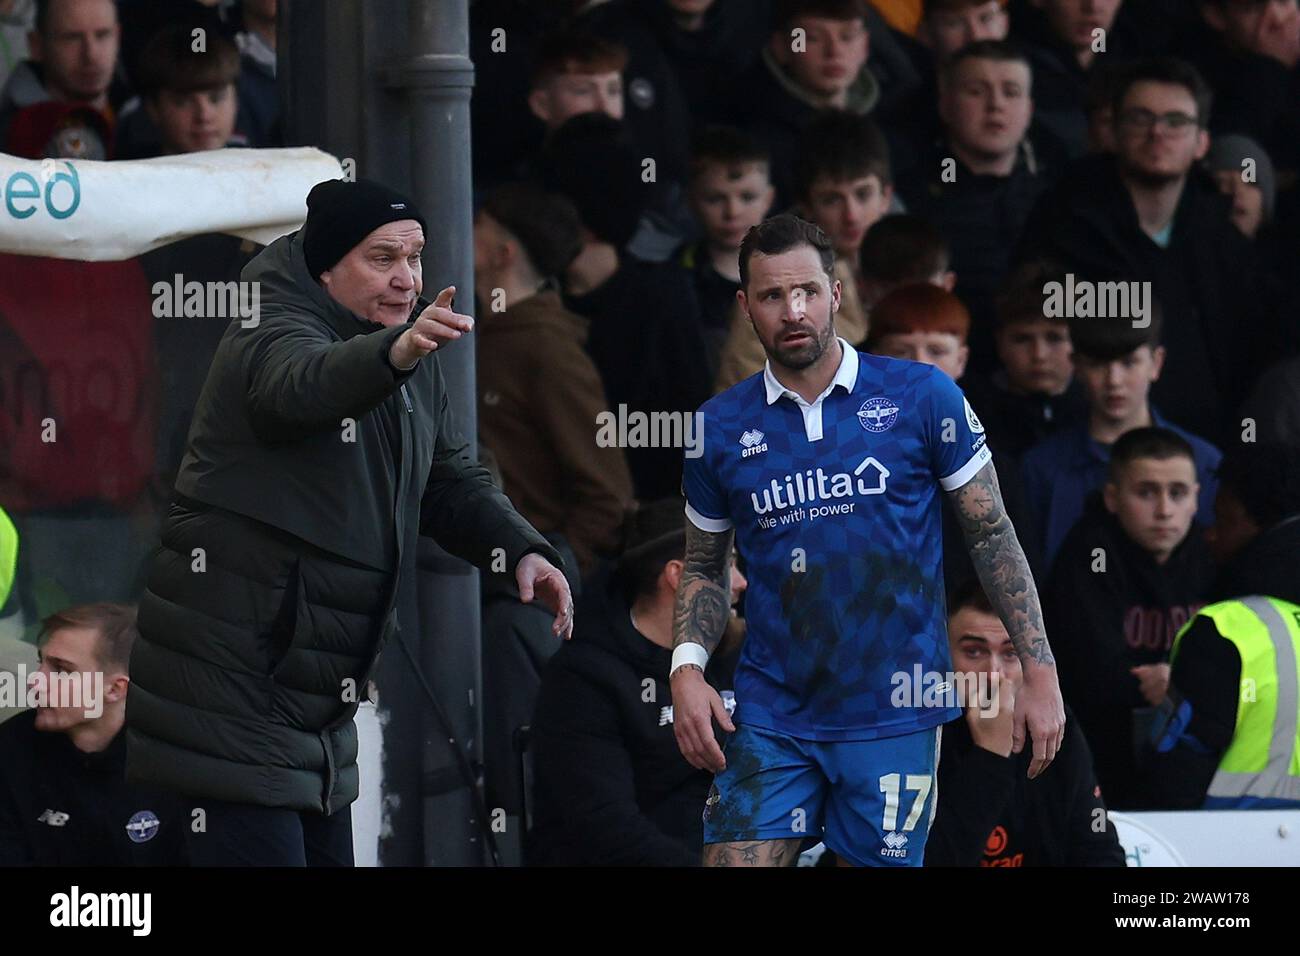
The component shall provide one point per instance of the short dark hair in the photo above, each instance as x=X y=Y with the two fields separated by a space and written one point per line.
x=1265 y=478
x=1158 y=443
x=169 y=62
x=969 y=593
x=1106 y=338
x=575 y=51
x=547 y=225
x=903 y=248
x=591 y=160
x=1165 y=69
x=780 y=234
x=787 y=11
x=728 y=147
x=1104 y=80
x=1020 y=300
x=116 y=624
x=653 y=534
x=840 y=146
x=1002 y=51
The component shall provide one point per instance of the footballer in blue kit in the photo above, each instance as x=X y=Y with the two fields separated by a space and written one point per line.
x=828 y=469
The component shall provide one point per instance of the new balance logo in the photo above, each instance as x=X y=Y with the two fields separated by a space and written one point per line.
x=55 y=818
x=894 y=844
x=753 y=443
x=728 y=704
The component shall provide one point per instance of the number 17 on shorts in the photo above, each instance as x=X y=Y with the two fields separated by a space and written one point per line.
x=870 y=801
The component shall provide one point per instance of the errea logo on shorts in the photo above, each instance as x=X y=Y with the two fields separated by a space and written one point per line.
x=894 y=845
x=752 y=443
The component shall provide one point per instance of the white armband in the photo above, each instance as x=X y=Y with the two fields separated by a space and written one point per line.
x=688 y=653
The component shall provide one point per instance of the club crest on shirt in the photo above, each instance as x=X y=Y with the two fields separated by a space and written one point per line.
x=143 y=826
x=878 y=414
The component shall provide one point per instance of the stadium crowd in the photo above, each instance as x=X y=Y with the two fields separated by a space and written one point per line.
x=1084 y=212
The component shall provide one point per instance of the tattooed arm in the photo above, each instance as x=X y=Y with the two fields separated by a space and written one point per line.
x=704 y=592
x=1000 y=563
x=700 y=616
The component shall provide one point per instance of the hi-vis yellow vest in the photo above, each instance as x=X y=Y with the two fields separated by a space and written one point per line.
x=8 y=555
x=1261 y=766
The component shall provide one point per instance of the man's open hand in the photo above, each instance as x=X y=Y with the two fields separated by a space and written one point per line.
x=436 y=325
x=1040 y=710
x=538 y=578
x=695 y=705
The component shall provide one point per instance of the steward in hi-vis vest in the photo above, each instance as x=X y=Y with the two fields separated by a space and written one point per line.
x=1226 y=736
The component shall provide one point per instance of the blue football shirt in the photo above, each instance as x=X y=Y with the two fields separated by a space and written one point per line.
x=836 y=506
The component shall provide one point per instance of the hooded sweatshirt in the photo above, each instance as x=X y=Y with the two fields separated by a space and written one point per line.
x=776 y=110
x=1102 y=623
x=612 y=788
x=990 y=814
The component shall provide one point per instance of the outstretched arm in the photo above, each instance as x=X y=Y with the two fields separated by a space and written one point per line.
x=1000 y=563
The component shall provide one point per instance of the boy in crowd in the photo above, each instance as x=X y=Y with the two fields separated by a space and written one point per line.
x=842 y=183
x=576 y=72
x=1129 y=575
x=1064 y=40
x=989 y=813
x=729 y=193
x=979 y=183
x=1033 y=392
x=922 y=323
x=1117 y=362
x=925 y=323
x=822 y=66
x=945 y=27
x=900 y=250
x=190 y=99
x=948 y=25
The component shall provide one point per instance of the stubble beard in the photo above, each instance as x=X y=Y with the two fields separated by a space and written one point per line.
x=799 y=357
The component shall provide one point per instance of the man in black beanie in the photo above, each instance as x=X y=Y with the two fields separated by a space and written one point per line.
x=322 y=444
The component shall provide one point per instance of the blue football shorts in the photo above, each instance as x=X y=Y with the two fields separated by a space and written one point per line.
x=870 y=801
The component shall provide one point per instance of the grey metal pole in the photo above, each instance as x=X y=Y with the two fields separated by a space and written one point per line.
x=437 y=77
x=387 y=83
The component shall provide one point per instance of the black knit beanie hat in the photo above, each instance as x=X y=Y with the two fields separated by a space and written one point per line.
x=340 y=214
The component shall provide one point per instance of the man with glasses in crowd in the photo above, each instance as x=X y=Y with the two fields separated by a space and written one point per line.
x=1150 y=214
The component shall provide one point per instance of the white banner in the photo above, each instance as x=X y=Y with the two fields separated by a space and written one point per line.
x=97 y=211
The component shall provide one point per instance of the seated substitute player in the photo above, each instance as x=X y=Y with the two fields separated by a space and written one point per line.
x=827 y=468
x=989 y=815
